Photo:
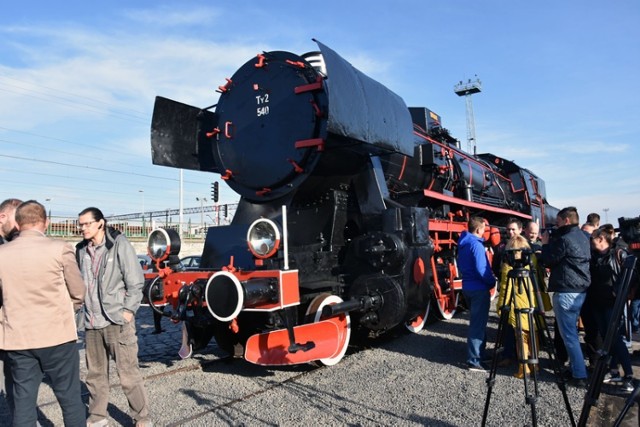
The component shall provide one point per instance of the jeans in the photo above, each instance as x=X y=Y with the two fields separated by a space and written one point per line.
x=566 y=306
x=62 y=364
x=635 y=315
x=619 y=352
x=478 y=302
x=120 y=343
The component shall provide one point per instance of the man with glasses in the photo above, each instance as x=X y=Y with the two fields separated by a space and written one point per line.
x=114 y=280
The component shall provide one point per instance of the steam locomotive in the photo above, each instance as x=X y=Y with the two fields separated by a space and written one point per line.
x=350 y=208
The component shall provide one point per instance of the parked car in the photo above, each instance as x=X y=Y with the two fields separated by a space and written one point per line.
x=192 y=261
x=145 y=261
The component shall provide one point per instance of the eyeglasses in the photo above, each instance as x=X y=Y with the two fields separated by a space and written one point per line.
x=82 y=225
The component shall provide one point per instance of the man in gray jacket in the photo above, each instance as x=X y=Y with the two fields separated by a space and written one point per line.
x=114 y=281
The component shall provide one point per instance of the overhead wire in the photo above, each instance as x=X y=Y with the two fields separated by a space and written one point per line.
x=79 y=102
x=55 y=99
x=75 y=95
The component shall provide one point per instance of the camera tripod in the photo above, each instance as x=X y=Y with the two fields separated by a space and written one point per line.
x=521 y=281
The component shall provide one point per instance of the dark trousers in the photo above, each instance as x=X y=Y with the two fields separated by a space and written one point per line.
x=62 y=364
x=6 y=385
x=592 y=337
x=619 y=352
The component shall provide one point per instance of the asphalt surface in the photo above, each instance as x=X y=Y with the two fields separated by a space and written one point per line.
x=402 y=379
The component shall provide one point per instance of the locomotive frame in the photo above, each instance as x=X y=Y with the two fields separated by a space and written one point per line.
x=351 y=206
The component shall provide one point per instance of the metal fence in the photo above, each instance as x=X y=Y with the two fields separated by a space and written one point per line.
x=62 y=227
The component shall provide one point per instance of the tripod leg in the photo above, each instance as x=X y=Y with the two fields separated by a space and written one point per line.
x=543 y=327
x=633 y=398
x=504 y=318
x=524 y=357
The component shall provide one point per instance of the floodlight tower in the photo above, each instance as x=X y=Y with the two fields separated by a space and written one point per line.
x=467 y=89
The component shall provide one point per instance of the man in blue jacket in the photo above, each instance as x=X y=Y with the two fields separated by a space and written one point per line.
x=477 y=282
x=567 y=254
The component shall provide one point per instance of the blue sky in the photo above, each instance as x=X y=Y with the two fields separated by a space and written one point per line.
x=78 y=81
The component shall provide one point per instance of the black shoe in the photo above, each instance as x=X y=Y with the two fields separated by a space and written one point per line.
x=627 y=385
x=578 y=382
x=477 y=367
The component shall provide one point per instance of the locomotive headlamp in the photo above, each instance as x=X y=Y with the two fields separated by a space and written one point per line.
x=263 y=238
x=163 y=243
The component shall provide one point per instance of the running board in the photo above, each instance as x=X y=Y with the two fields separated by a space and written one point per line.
x=272 y=348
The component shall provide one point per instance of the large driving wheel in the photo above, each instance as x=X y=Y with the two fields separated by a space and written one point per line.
x=342 y=321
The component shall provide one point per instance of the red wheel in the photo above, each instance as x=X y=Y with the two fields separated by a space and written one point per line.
x=446 y=304
x=416 y=324
x=342 y=321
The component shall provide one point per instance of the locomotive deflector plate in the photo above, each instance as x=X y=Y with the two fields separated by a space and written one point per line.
x=270 y=349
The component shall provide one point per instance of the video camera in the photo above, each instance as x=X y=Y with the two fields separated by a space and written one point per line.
x=518 y=258
x=549 y=230
x=630 y=232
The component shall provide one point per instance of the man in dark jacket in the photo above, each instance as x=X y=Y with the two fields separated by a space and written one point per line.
x=8 y=231
x=567 y=254
x=477 y=282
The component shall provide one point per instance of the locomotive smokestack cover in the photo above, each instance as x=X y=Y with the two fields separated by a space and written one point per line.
x=272 y=125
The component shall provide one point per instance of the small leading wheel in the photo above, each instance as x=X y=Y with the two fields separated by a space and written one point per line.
x=446 y=304
x=342 y=321
x=151 y=293
x=417 y=324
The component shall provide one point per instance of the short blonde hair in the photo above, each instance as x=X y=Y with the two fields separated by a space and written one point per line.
x=518 y=243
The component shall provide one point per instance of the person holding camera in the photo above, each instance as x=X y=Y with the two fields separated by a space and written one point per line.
x=567 y=254
x=606 y=266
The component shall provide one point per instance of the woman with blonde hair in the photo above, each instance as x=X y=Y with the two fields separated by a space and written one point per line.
x=521 y=297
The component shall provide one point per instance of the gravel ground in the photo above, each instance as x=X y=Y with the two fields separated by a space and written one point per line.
x=407 y=379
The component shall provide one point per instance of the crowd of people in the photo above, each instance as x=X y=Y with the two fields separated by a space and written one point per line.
x=96 y=286
x=578 y=266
